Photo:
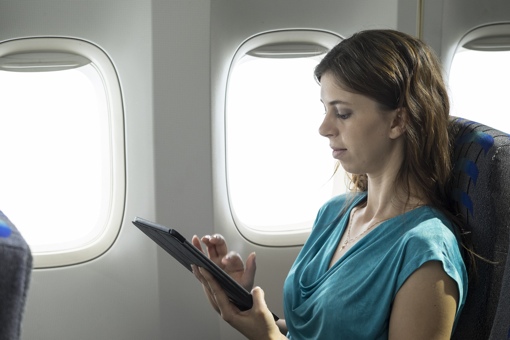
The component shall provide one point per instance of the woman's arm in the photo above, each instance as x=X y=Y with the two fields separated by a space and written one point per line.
x=425 y=305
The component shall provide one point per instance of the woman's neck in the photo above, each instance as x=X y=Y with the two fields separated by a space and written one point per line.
x=386 y=199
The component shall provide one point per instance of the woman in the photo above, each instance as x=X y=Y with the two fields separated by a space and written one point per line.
x=384 y=261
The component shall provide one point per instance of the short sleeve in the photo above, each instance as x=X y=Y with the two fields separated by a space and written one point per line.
x=432 y=240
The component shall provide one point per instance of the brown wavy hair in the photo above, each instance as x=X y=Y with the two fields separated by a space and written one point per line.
x=399 y=71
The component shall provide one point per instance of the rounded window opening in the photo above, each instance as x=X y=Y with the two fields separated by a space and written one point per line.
x=279 y=169
x=62 y=177
x=479 y=77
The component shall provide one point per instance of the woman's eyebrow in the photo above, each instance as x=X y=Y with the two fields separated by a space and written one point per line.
x=336 y=102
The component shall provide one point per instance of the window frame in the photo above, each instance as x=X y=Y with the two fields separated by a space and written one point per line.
x=326 y=39
x=103 y=64
x=487 y=38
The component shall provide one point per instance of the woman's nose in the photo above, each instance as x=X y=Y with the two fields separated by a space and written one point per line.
x=327 y=128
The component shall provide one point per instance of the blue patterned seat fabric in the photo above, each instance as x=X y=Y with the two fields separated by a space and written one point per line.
x=15 y=273
x=480 y=196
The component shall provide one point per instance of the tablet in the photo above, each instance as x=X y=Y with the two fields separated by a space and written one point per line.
x=187 y=254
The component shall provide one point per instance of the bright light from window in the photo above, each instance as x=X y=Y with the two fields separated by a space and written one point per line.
x=279 y=168
x=479 y=84
x=56 y=173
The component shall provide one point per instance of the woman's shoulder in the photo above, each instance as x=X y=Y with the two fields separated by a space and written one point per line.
x=428 y=232
x=427 y=221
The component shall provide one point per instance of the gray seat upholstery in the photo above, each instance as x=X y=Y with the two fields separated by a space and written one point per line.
x=15 y=273
x=481 y=198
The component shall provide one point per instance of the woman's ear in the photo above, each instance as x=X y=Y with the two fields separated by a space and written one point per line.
x=399 y=123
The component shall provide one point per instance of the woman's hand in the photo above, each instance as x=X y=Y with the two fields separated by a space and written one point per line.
x=230 y=262
x=256 y=323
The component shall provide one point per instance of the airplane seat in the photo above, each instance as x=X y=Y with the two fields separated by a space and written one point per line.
x=480 y=196
x=15 y=273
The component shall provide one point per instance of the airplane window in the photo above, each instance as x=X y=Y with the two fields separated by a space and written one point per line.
x=479 y=78
x=62 y=160
x=279 y=169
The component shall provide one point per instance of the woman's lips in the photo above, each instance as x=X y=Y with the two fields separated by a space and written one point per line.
x=338 y=152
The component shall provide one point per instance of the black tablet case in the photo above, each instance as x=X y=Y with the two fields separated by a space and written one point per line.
x=187 y=254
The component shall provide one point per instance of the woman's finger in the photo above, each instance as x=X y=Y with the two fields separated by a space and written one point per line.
x=227 y=309
x=232 y=262
x=248 y=278
x=206 y=287
x=216 y=245
x=259 y=303
x=196 y=242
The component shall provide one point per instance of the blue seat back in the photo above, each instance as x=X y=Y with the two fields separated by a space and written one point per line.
x=480 y=196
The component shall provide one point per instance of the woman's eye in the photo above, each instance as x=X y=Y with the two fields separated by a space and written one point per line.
x=343 y=115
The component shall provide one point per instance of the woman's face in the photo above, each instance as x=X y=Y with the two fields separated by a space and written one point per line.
x=363 y=137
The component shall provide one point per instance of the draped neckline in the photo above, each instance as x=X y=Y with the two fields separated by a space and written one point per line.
x=318 y=271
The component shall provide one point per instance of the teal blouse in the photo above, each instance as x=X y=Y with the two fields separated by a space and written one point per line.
x=353 y=299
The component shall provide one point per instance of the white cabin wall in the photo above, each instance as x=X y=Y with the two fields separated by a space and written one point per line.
x=116 y=295
x=445 y=22
x=182 y=147
x=408 y=16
